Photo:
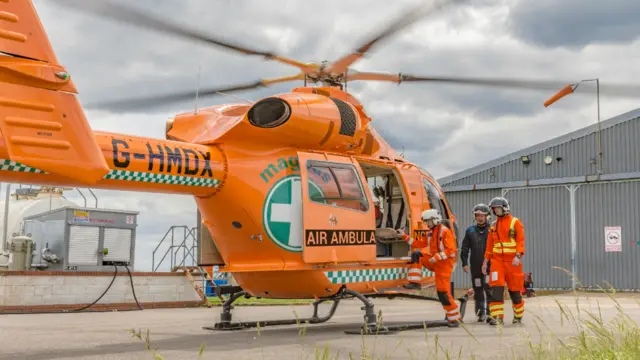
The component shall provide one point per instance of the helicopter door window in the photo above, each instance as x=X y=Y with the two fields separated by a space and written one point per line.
x=338 y=185
x=444 y=212
x=435 y=201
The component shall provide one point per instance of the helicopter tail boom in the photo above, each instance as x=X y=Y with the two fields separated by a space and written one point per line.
x=135 y=164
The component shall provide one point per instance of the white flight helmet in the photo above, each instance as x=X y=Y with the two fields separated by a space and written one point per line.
x=432 y=214
x=500 y=202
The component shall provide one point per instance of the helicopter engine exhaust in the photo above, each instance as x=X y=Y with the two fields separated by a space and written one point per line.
x=309 y=120
x=269 y=113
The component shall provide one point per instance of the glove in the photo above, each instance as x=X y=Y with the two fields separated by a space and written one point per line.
x=432 y=259
x=516 y=261
x=415 y=256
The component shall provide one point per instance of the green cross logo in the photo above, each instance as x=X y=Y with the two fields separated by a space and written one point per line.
x=282 y=212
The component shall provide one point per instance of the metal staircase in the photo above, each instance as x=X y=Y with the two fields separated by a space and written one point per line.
x=179 y=247
x=182 y=249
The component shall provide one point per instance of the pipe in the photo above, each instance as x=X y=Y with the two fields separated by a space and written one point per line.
x=572 y=194
x=6 y=217
x=85 y=199
x=599 y=132
x=94 y=196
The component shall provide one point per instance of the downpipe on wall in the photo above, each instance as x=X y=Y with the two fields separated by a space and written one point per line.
x=572 y=198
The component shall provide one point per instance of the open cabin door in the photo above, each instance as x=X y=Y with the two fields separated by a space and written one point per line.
x=337 y=211
x=412 y=180
x=207 y=251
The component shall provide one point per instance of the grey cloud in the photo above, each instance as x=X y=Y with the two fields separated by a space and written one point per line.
x=140 y=62
x=576 y=23
x=412 y=129
x=136 y=61
x=110 y=60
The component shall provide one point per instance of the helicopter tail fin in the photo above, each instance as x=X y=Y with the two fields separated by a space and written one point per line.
x=42 y=123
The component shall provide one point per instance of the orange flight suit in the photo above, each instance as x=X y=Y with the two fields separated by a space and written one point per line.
x=506 y=238
x=445 y=252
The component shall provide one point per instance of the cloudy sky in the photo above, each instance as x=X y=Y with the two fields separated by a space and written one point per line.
x=444 y=128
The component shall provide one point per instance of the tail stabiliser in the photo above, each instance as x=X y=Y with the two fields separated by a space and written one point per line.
x=42 y=123
x=46 y=139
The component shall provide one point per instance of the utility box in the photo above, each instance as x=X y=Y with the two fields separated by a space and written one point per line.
x=82 y=239
x=21 y=249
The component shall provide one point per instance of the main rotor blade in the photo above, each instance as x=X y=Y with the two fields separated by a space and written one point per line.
x=155 y=100
x=621 y=90
x=408 y=18
x=139 y=18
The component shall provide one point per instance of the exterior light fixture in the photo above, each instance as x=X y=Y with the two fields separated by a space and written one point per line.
x=525 y=159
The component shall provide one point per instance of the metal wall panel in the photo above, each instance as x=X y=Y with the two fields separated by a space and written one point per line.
x=608 y=204
x=619 y=148
x=83 y=245
x=118 y=243
x=461 y=204
x=545 y=213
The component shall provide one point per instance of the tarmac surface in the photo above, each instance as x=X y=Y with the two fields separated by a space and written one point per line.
x=178 y=333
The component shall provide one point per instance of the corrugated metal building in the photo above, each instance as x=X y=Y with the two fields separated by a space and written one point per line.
x=565 y=203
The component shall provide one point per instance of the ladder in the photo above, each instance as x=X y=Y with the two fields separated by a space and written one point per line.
x=190 y=272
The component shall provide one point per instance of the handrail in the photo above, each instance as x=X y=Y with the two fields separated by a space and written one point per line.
x=81 y=194
x=189 y=253
x=187 y=249
x=94 y=196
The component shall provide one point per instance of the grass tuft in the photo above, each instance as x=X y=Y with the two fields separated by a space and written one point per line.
x=596 y=338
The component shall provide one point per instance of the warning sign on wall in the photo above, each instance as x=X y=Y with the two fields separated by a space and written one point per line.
x=612 y=238
x=80 y=216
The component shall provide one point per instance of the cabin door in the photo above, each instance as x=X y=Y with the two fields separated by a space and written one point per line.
x=338 y=214
x=412 y=180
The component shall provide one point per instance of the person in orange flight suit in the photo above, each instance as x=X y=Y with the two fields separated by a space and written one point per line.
x=438 y=256
x=505 y=248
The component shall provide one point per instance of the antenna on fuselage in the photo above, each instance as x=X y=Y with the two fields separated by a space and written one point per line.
x=197 y=90
x=233 y=96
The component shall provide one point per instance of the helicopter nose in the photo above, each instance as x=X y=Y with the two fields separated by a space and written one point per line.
x=269 y=113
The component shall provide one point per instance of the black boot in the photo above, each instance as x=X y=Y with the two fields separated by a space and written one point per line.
x=496 y=320
x=482 y=317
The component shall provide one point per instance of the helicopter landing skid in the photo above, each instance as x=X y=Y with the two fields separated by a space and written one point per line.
x=409 y=325
x=370 y=326
x=370 y=317
x=226 y=324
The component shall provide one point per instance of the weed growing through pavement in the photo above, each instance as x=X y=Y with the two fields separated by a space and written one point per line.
x=595 y=339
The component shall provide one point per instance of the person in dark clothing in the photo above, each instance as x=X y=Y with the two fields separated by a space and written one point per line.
x=472 y=252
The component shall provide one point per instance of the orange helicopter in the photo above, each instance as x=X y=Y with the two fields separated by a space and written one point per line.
x=283 y=184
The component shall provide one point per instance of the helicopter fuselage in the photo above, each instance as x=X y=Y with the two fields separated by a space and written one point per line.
x=279 y=210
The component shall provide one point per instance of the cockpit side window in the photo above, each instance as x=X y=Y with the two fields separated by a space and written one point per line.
x=339 y=185
x=435 y=201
